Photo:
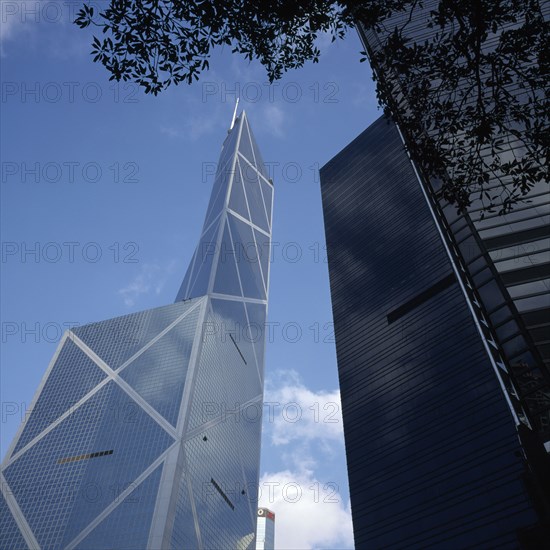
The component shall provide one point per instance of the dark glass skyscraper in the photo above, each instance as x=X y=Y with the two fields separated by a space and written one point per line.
x=441 y=323
x=444 y=395
x=511 y=249
x=145 y=431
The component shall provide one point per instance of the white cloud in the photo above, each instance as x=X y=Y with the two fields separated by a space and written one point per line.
x=171 y=131
x=194 y=127
x=273 y=120
x=47 y=24
x=13 y=16
x=309 y=513
x=304 y=428
x=150 y=279
x=299 y=414
x=198 y=126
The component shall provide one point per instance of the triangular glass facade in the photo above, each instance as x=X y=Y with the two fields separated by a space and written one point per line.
x=237 y=228
x=145 y=432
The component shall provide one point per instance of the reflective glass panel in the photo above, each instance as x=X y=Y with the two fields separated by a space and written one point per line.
x=134 y=513
x=158 y=374
x=254 y=195
x=73 y=375
x=227 y=279
x=247 y=258
x=237 y=201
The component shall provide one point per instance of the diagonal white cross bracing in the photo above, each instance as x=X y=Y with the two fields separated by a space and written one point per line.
x=131 y=487
x=111 y=375
x=159 y=336
x=232 y=298
x=18 y=516
x=165 y=504
x=248 y=222
x=8 y=459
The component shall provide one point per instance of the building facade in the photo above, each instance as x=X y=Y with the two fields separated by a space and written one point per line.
x=145 y=431
x=507 y=256
x=442 y=323
x=444 y=393
x=265 y=531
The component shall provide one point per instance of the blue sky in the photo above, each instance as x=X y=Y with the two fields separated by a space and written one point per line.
x=104 y=191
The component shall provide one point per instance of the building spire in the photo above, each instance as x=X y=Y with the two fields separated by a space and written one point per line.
x=234 y=115
x=238 y=214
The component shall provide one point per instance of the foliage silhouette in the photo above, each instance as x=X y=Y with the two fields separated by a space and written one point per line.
x=470 y=96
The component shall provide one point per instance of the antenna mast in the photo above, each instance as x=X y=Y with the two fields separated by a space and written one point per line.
x=234 y=115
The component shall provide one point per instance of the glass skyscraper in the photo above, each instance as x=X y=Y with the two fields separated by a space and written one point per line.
x=508 y=256
x=265 y=532
x=441 y=326
x=440 y=446
x=145 y=430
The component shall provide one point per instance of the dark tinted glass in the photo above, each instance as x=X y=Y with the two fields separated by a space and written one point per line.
x=432 y=450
